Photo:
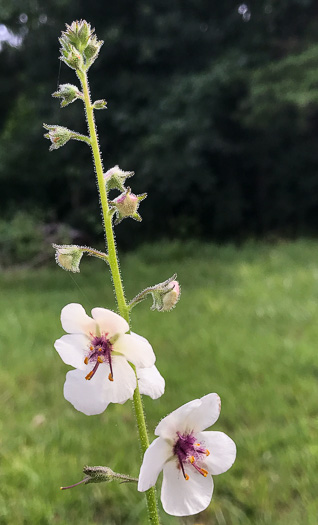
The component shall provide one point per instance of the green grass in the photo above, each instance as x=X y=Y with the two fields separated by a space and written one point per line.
x=246 y=327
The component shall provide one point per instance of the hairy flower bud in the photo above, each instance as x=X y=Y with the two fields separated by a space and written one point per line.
x=68 y=93
x=127 y=204
x=166 y=295
x=68 y=256
x=58 y=135
x=115 y=178
x=100 y=475
x=100 y=104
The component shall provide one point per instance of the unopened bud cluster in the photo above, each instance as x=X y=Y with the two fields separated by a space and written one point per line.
x=79 y=45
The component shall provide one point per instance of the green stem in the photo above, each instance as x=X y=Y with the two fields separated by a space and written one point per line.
x=119 y=290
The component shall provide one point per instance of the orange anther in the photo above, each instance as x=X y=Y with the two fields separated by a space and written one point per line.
x=110 y=377
x=86 y=360
x=91 y=348
x=192 y=459
x=100 y=349
x=197 y=444
x=207 y=452
x=204 y=472
x=89 y=375
x=100 y=359
x=186 y=477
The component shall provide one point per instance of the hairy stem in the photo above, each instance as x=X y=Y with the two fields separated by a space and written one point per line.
x=115 y=271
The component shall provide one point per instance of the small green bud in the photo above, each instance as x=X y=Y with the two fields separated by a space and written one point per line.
x=127 y=204
x=68 y=93
x=115 y=178
x=73 y=59
x=100 y=104
x=68 y=256
x=100 y=475
x=58 y=135
x=91 y=50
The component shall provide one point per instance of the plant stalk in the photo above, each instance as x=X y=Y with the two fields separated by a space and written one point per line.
x=113 y=262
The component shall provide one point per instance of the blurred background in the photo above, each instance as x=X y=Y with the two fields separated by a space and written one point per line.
x=214 y=105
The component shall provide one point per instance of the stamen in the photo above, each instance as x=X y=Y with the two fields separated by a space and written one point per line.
x=91 y=348
x=204 y=472
x=207 y=452
x=197 y=444
x=92 y=372
x=86 y=360
x=110 y=377
x=100 y=359
x=192 y=459
x=186 y=477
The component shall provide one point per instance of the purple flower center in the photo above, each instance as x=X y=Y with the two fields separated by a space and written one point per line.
x=189 y=451
x=99 y=352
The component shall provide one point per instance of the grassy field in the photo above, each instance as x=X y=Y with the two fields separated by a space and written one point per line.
x=246 y=327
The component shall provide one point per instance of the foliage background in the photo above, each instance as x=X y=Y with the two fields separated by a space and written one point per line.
x=214 y=105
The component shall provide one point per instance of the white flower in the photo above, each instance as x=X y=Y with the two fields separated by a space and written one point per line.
x=187 y=457
x=100 y=349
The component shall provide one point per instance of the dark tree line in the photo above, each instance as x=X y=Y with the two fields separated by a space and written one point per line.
x=214 y=105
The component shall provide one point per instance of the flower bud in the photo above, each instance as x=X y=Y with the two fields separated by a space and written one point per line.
x=78 y=34
x=72 y=57
x=166 y=295
x=58 y=135
x=115 y=178
x=92 y=49
x=127 y=204
x=68 y=93
x=68 y=257
x=171 y=298
x=100 y=104
x=100 y=475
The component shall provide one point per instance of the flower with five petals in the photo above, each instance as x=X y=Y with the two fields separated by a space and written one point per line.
x=100 y=350
x=187 y=457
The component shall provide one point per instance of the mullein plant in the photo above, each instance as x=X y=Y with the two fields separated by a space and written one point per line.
x=111 y=363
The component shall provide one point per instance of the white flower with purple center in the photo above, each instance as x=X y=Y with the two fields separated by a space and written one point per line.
x=100 y=350
x=187 y=456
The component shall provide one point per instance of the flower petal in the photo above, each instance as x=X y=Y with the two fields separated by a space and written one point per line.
x=182 y=497
x=109 y=322
x=124 y=383
x=206 y=414
x=177 y=420
x=154 y=459
x=136 y=349
x=75 y=320
x=222 y=451
x=193 y=416
x=150 y=381
x=86 y=396
x=73 y=349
